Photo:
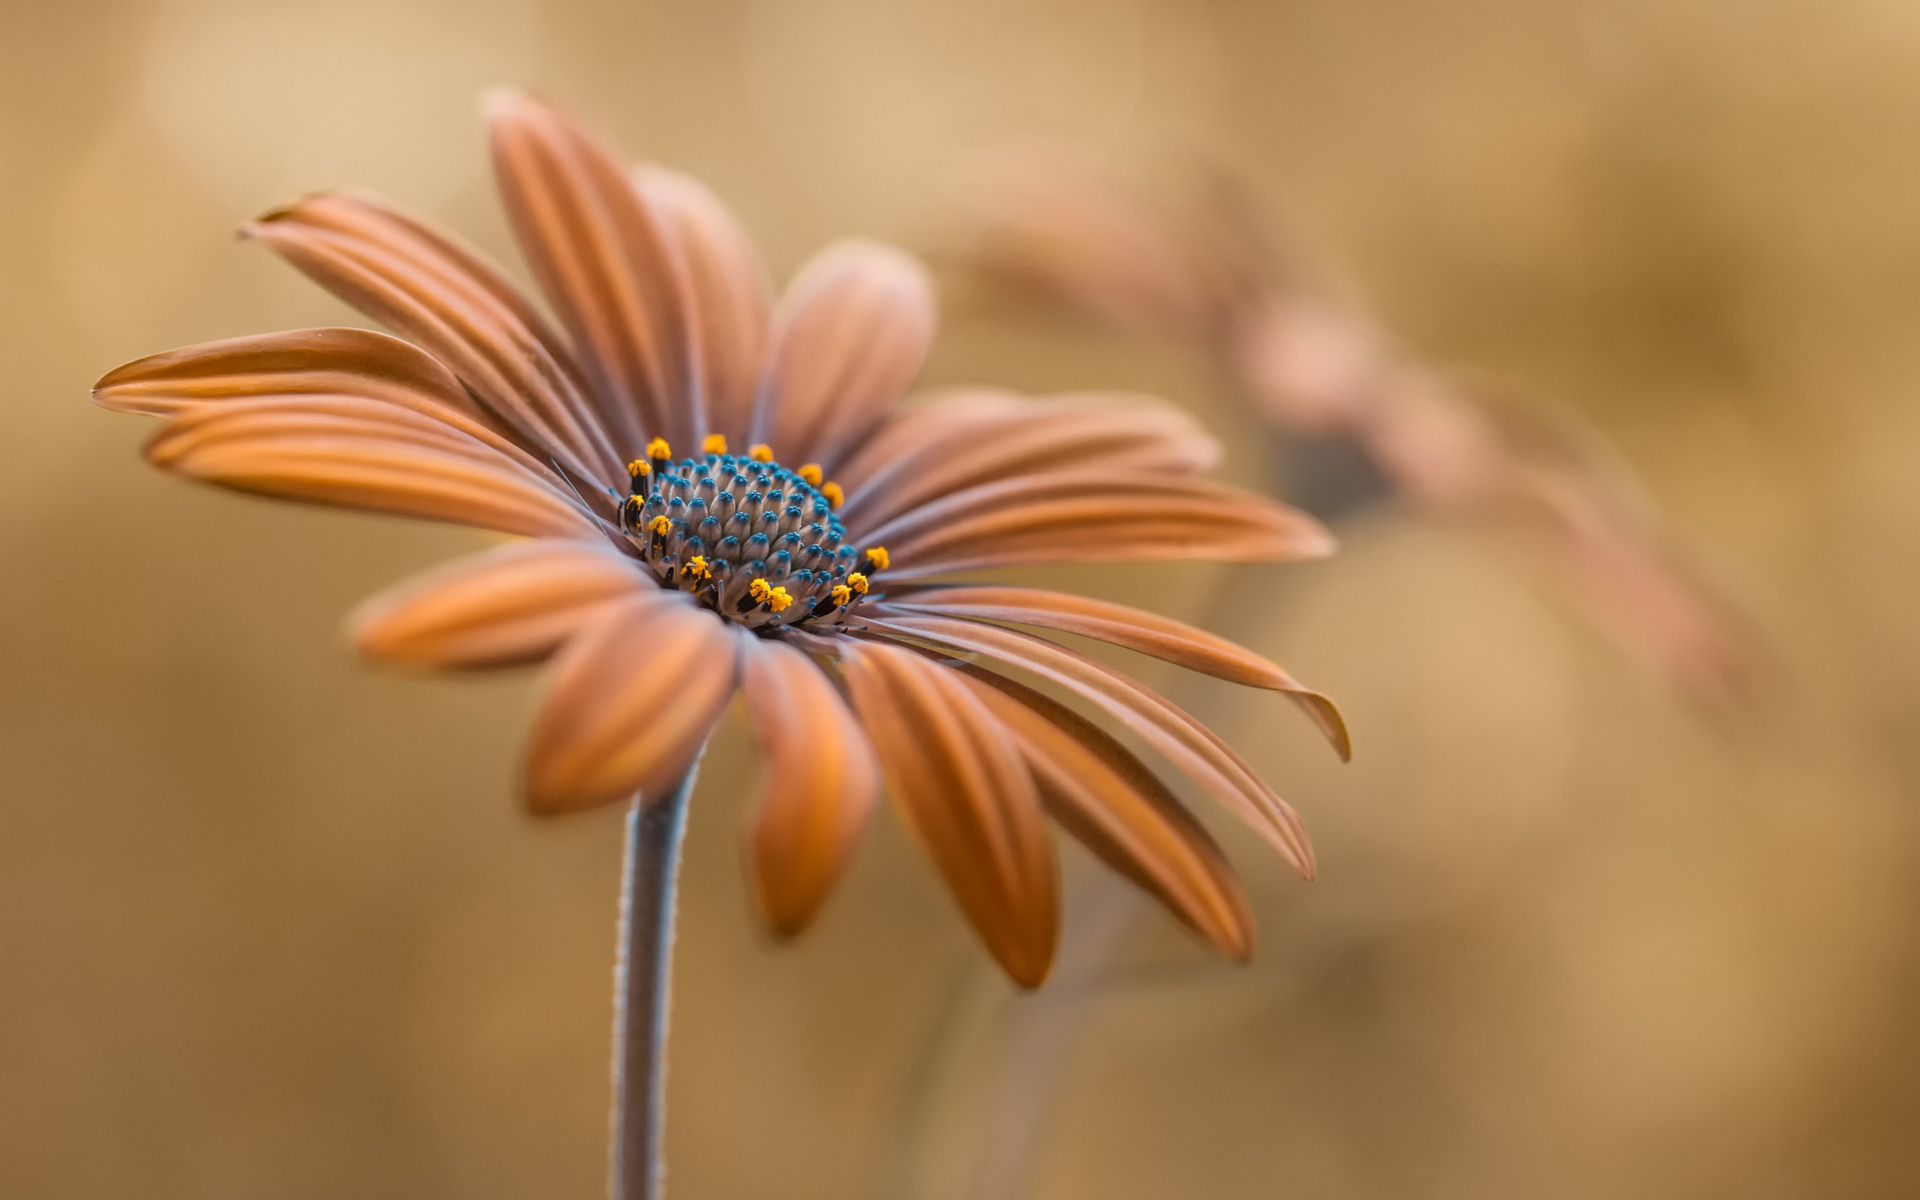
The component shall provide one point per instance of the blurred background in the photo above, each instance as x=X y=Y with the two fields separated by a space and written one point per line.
x=273 y=925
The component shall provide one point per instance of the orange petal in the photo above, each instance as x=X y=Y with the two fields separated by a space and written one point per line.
x=1188 y=744
x=602 y=256
x=341 y=362
x=513 y=604
x=1123 y=435
x=727 y=292
x=1064 y=232
x=818 y=786
x=630 y=703
x=362 y=454
x=1117 y=808
x=942 y=419
x=445 y=297
x=316 y=368
x=962 y=787
x=1075 y=516
x=1149 y=633
x=850 y=335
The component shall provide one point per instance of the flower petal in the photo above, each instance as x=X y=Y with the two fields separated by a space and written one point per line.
x=445 y=297
x=603 y=257
x=851 y=333
x=347 y=362
x=730 y=304
x=818 y=786
x=1149 y=633
x=513 y=604
x=362 y=454
x=964 y=791
x=1118 y=808
x=1077 y=516
x=1123 y=435
x=313 y=369
x=1188 y=744
x=630 y=703
x=940 y=419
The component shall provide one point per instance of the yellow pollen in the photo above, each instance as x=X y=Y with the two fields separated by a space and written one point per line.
x=832 y=492
x=759 y=589
x=811 y=473
x=660 y=525
x=716 y=443
x=760 y=452
x=697 y=567
x=842 y=595
x=639 y=467
x=658 y=448
x=857 y=582
x=778 y=600
x=879 y=556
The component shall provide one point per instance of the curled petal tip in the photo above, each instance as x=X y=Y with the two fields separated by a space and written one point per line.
x=278 y=213
x=1332 y=722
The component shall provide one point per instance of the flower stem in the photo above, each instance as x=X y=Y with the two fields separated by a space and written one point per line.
x=654 y=832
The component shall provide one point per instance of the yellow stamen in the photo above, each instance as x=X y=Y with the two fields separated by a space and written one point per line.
x=832 y=492
x=842 y=595
x=639 y=468
x=658 y=448
x=760 y=452
x=857 y=582
x=660 y=525
x=778 y=600
x=879 y=556
x=811 y=473
x=697 y=567
x=759 y=589
x=716 y=443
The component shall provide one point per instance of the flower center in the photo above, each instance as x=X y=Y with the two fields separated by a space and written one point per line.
x=752 y=540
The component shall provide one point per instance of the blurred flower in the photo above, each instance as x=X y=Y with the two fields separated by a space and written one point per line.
x=1360 y=418
x=664 y=581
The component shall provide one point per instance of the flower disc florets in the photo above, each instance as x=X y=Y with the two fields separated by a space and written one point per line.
x=754 y=541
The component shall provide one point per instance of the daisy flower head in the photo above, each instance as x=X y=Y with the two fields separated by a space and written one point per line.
x=714 y=494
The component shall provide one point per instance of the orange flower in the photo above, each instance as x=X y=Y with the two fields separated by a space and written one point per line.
x=662 y=586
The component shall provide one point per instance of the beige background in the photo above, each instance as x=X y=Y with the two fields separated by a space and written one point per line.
x=272 y=926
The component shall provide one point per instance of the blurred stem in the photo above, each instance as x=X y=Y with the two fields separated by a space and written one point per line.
x=655 y=830
x=1332 y=478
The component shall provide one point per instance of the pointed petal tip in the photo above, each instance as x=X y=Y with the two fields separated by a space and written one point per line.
x=299 y=206
x=280 y=212
x=123 y=374
x=1236 y=944
x=136 y=371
